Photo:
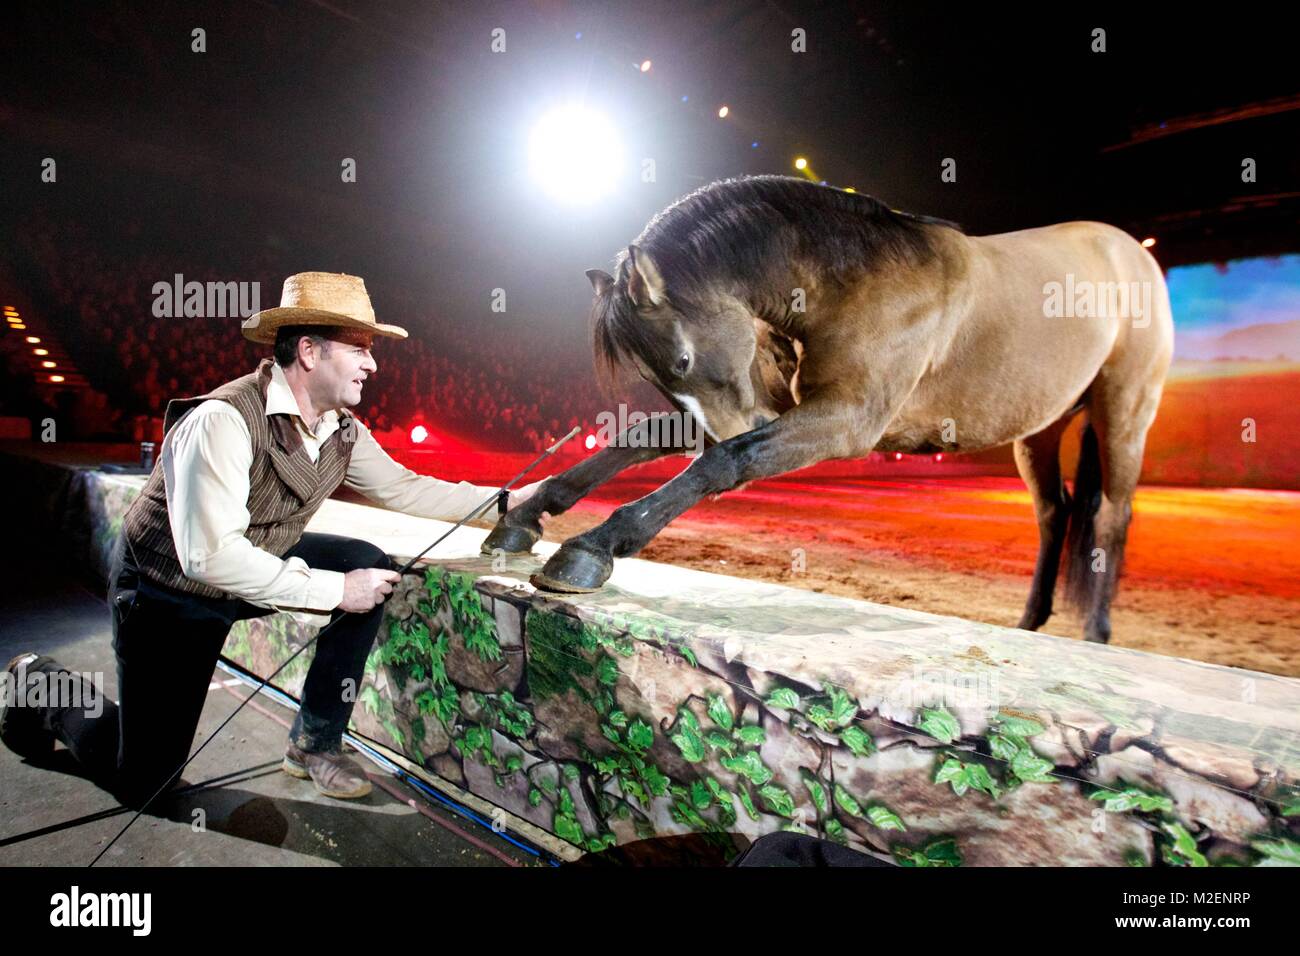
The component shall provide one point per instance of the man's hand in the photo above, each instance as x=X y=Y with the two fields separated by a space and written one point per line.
x=366 y=587
x=519 y=495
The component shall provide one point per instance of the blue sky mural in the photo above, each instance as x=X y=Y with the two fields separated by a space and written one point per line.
x=1213 y=298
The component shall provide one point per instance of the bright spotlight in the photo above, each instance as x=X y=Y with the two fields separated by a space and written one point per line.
x=1148 y=242
x=645 y=66
x=590 y=442
x=722 y=113
x=418 y=434
x=575 y=155
x=801 y=163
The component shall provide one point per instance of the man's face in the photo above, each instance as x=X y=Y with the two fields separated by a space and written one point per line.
x=339 y=372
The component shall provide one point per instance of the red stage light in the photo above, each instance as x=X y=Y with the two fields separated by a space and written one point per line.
x=898 y=456
x=419 y=433
x=591 y=442
x=939 y=457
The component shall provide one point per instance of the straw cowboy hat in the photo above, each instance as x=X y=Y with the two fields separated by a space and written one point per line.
x=319 y=298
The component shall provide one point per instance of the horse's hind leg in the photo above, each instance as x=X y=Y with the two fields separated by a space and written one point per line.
x=520 y=528
x=1039 y=462
x=1121 y=412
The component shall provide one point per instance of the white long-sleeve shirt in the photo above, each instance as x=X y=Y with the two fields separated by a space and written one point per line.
x=206 y=460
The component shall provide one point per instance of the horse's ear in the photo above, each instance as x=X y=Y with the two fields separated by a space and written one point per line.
x=601 y=281
x=644 y=283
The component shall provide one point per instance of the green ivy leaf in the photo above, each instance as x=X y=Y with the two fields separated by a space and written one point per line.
x=396 y=734
x=843 y=707
x=1184 y=847
x=978 y=777
x=1004 y=748
x=617 y=718
x=1031 y=768
x=687 y=653
x=751 y=734
x=940 y=853
x=940 y=725
x=783 y=698
x=689 y=743
x=1013 y=726
x=633 y=788
x=640 y=735
x=778 y=799
x=748 y=802
x=1282 y=850
x=370 y=699
x=656 y=781
x=720 y=741
x=534 y=797
x=607 y=670
x=571 y=772
x=816 y=790
x=1132 y=798
x=513 y=763
x=748 y=765
x=700 y=795
x=567 y=828
x=846 y=801
x=719 y=713
x=858 y=741
x=821 y=716
x=885 y=818
x=835 y=830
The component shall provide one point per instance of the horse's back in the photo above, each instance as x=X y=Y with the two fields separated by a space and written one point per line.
x=1033 y=322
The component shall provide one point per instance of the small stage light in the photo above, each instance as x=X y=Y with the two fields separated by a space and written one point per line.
x=40 y=351
x=56 y=378
x=419 y=433
x=591 y=442
x=33 y=340
x=898 y=456
x=645 y=66
x=1148 y=242
x=801 y=163
x=722 y=113
x=49 y=365
x=939 y=457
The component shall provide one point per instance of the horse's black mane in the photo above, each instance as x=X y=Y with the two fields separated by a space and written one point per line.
x=733 y=230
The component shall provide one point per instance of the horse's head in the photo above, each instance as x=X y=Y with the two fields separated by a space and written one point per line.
x=705 y=353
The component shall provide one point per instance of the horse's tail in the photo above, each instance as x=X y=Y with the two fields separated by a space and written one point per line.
x=1081 y=582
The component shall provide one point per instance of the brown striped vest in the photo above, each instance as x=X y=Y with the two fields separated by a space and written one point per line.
x=285 y=486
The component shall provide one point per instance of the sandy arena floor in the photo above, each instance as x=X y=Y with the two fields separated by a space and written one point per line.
x=1211 y=574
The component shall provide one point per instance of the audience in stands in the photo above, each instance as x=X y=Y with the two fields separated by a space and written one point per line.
x=513 y=399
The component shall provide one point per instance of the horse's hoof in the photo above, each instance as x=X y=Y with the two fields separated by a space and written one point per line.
x=512 y=539
x=574 y=571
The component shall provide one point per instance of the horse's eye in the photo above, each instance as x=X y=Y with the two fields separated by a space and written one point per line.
x=683 y=364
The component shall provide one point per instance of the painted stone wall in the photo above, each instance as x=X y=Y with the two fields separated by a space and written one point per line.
x=675 y=702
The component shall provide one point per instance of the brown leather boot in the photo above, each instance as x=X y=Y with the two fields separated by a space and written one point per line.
x=334 y=773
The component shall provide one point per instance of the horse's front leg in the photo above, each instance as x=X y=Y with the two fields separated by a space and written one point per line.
x=802 y=436
x=520 y=528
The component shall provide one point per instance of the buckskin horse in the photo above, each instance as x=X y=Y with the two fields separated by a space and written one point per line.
x=800 y=323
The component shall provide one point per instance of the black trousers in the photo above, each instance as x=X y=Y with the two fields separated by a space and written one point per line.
x=167 y=644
